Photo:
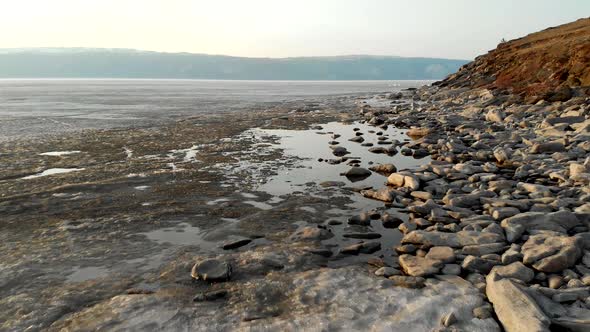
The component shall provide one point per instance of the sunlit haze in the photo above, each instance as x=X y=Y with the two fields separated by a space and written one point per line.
x=459 y=29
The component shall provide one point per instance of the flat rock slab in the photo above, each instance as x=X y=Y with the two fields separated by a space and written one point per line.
x=419 y=266
x=516 y=310
x=454 y=240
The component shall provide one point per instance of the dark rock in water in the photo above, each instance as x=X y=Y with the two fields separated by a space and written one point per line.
x=363 y=219
x=367 y=144
x=406 y=152
x=375 y=121
x=333 y=142
x=357 y=173
x=362 y=235
x=390 y=221
x=236 y=244
x=406 y=249
x=357 y=139
x=420 y=153
x=380 y=149
x=339 y=151
x=370 y=247
x=361 y=248
x=212 y=270
x=352 y=249
x=210 y=296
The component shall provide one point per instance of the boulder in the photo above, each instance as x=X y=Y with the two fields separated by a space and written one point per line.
x=339 y=151
x=419 y=266
x=515 y=270
x=516 y=310
x=478 y=264
x=443 y=254
x=560 y=221
x=552 y=253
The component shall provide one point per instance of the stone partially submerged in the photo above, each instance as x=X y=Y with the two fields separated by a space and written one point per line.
x=212 y=270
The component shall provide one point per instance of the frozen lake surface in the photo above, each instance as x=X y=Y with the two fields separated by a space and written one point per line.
x=37 y=107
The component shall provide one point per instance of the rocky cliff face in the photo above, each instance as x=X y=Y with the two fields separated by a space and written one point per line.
x=553 y=64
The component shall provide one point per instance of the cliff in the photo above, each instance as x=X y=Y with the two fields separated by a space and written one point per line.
x=553 y=64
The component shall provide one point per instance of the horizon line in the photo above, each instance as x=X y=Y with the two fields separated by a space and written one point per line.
x=17 y=49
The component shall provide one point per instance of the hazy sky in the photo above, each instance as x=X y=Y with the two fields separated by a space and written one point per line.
x=279 y=28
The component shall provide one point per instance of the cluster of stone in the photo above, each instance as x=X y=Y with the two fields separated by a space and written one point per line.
x=504 y=203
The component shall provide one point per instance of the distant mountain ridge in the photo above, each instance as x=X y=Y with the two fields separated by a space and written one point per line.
x=128 y=63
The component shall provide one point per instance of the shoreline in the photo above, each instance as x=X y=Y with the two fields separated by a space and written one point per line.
x=293 y=268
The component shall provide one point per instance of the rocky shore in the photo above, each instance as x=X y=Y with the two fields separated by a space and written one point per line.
x=505 y=203
x=453 y=207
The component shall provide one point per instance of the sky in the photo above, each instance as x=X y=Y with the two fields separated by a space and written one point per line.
x=456 y=29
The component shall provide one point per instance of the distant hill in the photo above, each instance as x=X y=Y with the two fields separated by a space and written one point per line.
x=553 y=64
x=125 y=63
